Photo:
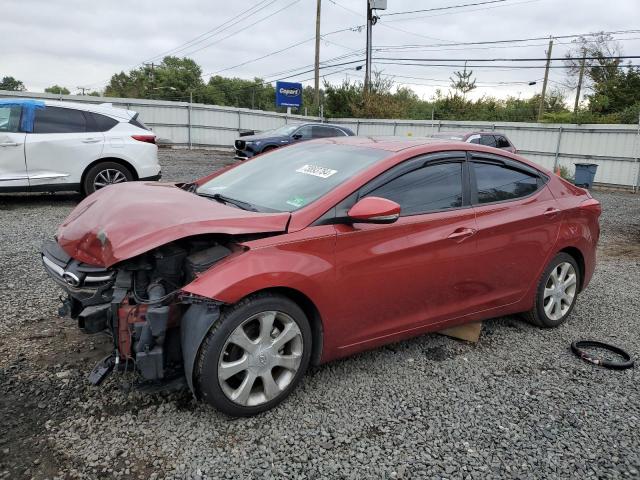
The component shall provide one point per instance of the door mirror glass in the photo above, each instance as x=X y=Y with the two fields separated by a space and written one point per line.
x=374 y=210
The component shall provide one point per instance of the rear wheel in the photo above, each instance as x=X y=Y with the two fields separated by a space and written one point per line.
x=254 y=356
x=103 y=174
x=557 y=292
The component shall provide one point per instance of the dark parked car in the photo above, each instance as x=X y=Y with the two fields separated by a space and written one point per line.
x=249 y=145
x=317 y=251
x=490 y=139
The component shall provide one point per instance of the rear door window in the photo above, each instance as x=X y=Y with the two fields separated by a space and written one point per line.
x=325 y=132
x=99 y=123
x=427 y=189
x=488 y=140
x=59 y=120
x=502 y=142
x=497 y=183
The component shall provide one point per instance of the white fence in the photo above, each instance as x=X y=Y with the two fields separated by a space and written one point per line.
x=615 y=148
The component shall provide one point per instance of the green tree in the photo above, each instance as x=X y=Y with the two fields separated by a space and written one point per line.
x=463 y=82
x=11 y=84
x=173 y=79
x=57 y=89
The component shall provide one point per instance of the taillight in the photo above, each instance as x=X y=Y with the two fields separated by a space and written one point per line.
x=145 y=138
x=592 y=205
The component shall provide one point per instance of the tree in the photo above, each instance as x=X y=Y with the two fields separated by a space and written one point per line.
x=463 y=82
x=11 y=84
x=57 y=89
x=173 y=79
x=597 y=47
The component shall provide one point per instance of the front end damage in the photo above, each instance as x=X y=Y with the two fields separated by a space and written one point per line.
x=154 y=325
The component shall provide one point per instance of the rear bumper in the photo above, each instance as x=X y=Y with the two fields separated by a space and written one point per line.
x=152 y=178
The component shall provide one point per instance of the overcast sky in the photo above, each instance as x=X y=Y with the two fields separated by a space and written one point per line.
x=82 y=43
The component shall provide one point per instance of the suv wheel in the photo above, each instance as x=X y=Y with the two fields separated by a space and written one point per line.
x=104 y=174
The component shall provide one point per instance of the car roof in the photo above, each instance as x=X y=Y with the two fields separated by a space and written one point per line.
x=103 y=108
x=409 y=146
x=388 y=143
x=469 y=133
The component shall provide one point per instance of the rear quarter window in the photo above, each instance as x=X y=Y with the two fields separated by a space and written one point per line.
x=100 y=123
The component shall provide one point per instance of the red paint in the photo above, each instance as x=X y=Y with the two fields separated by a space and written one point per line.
x=122 y=221
x=371 y=283
x=374 y=208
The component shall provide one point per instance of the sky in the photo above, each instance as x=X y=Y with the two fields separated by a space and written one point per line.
x=79 y=43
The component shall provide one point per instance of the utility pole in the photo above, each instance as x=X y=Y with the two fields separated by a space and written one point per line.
x=317 y=75
x=83 y=89
x=546 y=79
x=580 y=77
x=371 y=21
x=367 y=70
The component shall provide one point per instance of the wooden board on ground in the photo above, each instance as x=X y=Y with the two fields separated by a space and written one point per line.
x=469 y=332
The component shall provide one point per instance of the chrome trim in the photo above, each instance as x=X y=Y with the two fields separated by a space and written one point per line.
x=55 y=267
x=97 y=279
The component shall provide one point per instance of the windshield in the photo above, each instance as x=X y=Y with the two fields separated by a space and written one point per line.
x=292 y=177
x=284 y=131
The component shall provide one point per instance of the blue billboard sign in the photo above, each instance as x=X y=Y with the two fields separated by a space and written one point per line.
x=288 y=94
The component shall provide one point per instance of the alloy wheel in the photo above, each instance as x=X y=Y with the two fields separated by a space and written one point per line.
x=260 y=358
x=560 y=291
x=108 y=176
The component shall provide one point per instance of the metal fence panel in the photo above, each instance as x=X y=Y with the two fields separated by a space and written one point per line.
x=615 y=148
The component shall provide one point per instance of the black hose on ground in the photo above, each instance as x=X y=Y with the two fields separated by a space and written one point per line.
x=578 y=346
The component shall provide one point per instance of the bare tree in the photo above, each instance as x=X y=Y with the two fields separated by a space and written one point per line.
x=596 y=47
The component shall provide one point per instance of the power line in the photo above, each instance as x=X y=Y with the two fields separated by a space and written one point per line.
x=214 y=31
x=461 y=12
x=243 y=28
x=609 y=57
x=450 y=7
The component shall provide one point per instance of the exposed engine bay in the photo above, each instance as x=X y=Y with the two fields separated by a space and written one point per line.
x=139 y=302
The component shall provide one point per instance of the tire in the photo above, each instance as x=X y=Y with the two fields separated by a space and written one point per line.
x=547 y=312
x=103 y=172
x=249 y=391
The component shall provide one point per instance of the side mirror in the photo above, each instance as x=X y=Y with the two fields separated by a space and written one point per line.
x=374 y=210
x=296 y=136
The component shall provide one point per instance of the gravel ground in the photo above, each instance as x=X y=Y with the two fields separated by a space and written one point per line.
x=516 y=405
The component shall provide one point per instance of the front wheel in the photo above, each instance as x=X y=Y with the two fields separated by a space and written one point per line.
x=254 y=356
x=557 y=292
x=103 y=174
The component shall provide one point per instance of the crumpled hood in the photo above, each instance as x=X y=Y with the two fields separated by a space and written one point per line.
x=121 y=221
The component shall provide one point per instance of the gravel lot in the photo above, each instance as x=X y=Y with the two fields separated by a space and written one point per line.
x=518 y=404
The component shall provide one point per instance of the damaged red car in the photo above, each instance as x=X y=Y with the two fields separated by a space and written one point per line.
x=239 y=281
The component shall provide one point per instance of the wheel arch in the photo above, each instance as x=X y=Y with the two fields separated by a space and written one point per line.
x=310 y=310
x=579 y=258
x=120 y=161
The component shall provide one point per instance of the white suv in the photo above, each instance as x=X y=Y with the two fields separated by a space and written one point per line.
x=51 y=146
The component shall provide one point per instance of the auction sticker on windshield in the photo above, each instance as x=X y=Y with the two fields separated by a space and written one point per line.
x=317 y=171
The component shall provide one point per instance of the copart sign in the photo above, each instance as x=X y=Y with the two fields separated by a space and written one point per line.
x=288 y=94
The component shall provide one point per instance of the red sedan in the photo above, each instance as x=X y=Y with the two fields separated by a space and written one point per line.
x=317 y=251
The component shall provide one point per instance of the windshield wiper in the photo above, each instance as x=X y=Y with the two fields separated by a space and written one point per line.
x=223 y=199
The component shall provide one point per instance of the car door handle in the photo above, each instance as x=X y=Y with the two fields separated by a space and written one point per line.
x=91 y=140
x=462 y=233
x=551 y=212
x=9 y=144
